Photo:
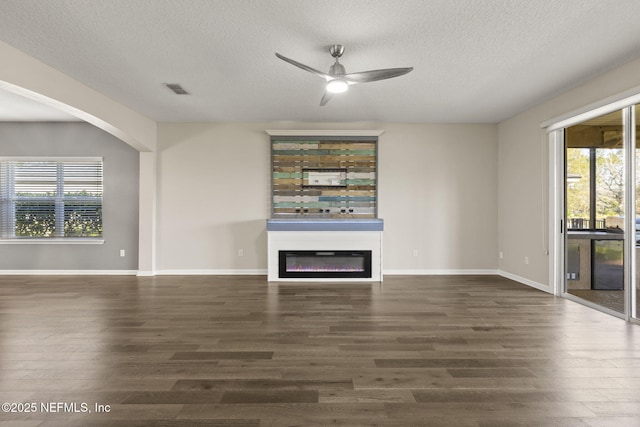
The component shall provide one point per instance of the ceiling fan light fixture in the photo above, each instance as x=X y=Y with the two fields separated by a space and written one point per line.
x=338 y=80
x=337 y=86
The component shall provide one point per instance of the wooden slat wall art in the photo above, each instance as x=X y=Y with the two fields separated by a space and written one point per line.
x=350 y=190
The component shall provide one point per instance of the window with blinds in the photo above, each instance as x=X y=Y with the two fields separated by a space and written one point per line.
x=50 y=198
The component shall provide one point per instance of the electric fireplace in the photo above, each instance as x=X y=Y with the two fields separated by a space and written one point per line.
x=324 y=264
x=324 y=250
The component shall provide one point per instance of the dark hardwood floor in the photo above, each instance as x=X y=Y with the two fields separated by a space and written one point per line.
x=235 y=351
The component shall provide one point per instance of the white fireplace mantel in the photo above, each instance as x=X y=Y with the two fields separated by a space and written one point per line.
x=325 y=235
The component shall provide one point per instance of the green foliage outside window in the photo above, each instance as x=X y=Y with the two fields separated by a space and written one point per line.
x=83 y=224
x=32 y=223
x=609 y=189
x=35 y=219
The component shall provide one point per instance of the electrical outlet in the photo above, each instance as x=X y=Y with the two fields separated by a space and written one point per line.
x=526 y=260
x=240 y=252
x=122 y=252
x=415 y=252
x=501 y=255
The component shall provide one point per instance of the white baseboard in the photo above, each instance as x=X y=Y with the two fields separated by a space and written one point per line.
x=68 y=272
x=255 y=272
x=248 y=272
x=440 y=272
x=525 y=281
x=145 y=273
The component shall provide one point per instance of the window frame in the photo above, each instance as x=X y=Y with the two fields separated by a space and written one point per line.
x=57 y=199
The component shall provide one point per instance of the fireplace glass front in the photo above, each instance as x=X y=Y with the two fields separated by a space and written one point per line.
x=324 y=264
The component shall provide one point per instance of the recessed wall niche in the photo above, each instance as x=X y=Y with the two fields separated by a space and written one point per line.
x=324 y=176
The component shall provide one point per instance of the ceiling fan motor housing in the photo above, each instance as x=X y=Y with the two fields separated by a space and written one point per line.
x=336 y=50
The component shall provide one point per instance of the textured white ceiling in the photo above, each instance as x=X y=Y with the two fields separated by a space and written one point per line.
x=475 y=61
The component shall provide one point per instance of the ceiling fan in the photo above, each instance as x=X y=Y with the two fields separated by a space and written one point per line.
x=338 y=80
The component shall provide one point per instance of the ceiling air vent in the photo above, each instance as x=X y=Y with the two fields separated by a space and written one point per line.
x=176 y=88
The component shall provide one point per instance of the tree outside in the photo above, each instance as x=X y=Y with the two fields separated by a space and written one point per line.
x=609 y=186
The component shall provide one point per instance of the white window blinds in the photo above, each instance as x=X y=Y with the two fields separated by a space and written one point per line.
x=50 y=198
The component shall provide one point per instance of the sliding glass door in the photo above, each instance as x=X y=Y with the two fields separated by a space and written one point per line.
x=594 y=188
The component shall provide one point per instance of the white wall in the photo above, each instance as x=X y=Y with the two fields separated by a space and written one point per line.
x=523 y=166
x=213 y=196
x=437 y=194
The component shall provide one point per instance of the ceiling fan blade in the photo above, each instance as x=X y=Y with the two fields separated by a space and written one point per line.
x=325 y=98
x=374 y=75
x=305 y=67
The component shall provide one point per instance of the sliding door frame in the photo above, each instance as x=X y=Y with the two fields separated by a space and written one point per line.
x=557 y=227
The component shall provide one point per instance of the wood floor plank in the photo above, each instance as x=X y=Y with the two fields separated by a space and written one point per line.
x=366 y=396
x=492 y=409
x=303 y=412
x=493 y=395
x=469 y=351
x=270 y=396
x=262 y=384
x=217 y=355
x=172 y=397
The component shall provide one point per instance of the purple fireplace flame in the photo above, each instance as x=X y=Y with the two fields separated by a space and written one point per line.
x=324 y=264
x=302 y=267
